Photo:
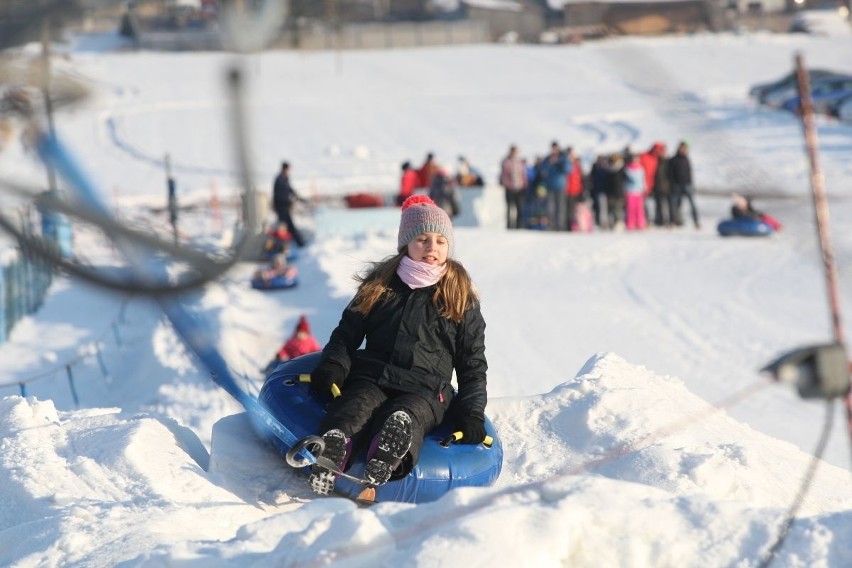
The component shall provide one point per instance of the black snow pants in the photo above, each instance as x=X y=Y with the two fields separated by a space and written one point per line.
x=363 y=408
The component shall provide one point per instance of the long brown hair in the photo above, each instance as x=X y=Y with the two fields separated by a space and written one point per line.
x=454 y=293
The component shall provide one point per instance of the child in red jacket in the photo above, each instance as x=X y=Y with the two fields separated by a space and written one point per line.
x=300 y=343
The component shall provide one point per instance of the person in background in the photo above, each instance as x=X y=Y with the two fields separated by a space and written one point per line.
x=278 y=267
x=283 y=198
x=300 y=343
x=573 y=188
x=680 y=175
x=426 y=171
x=743 y=208
x=649 y=161
x=553 y=170
x=615 y=192
x=467 y=175
x=420 y=316
x=634 y=193
x=513 y=178
x=444 y=191
x=661 y=189
x=599 y=181
x=536 y=214
x=408 y=182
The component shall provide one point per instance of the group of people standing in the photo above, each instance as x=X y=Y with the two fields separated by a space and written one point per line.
x=552 y=192
x=442 y=185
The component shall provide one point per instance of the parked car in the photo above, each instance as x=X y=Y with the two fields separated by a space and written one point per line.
x=778 y=97
x=843 y=109
x=823 y=92
x=788 y=81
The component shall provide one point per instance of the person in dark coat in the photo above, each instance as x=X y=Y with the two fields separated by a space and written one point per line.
x=615 y=192
x=599 y=177
x=680 y=175
x=444 y=191
x=421 y=318
x=661 y=189
x=283 y=197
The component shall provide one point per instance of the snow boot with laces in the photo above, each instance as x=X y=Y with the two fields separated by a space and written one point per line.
x=388 y=448
x=337 y=450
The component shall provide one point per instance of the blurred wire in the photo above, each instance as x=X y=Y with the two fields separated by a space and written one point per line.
x=804 y=487
x=200 y=268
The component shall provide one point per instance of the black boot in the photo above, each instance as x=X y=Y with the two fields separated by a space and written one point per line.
x=337 y=449
x=388 y=448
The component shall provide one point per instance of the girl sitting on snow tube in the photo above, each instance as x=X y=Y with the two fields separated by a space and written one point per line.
x=421 y=319
x=441 y=467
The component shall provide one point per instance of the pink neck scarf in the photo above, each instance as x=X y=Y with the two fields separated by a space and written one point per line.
x=419 y=274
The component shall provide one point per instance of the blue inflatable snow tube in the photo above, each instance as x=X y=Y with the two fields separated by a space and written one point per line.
x=744 y=228
x=438 y=470
x=277 y=283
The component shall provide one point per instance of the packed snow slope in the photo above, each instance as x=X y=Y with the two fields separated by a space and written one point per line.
x=623 y=367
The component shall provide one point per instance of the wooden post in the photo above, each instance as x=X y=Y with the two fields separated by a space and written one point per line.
x=806 y=110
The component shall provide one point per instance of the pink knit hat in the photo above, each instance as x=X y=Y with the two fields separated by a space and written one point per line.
x=421 y=215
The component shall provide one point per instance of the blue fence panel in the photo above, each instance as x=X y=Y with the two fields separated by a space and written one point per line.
x=23 y=285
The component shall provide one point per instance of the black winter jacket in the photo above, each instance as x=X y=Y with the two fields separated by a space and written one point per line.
x=411 y=348
x=283 y=195
x=680 y=170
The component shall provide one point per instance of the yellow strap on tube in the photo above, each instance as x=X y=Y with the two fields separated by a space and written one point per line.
x=335 y=390
x=487 y=442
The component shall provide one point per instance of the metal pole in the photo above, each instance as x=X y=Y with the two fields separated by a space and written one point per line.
x=821 y=212
x=45 y=90
x=172 y=198
x=73 y=388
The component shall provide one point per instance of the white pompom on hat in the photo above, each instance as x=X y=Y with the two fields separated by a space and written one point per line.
x=421 y=215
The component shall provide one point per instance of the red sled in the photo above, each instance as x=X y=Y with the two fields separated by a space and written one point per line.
x=361 y=200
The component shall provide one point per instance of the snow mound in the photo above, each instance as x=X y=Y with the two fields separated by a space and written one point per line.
x=75 y=473
x=622 y=421
x=678 y=466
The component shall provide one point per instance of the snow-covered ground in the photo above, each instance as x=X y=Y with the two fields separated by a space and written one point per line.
x=623 y=368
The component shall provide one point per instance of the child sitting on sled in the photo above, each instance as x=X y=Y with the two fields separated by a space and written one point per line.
x=300 y=343
x=420 y=315
x=279 y=267
x=278 y=241
x=742 y=208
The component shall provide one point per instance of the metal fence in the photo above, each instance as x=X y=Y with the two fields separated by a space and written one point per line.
x=23 y=284
x=87 y=364
x=25 y=277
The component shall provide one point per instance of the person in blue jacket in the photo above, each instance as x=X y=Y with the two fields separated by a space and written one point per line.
x=554 y=171
x=420 y=315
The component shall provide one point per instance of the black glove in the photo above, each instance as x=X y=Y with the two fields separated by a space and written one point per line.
x=472 y=429
x=327 y=374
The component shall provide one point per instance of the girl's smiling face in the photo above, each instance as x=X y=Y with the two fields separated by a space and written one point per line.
x=431 y=248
